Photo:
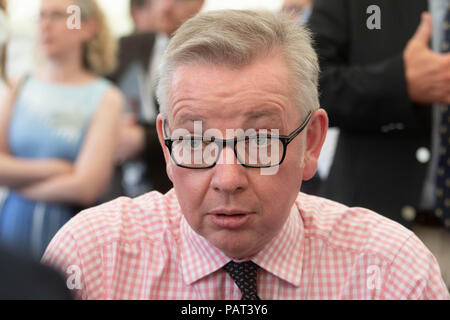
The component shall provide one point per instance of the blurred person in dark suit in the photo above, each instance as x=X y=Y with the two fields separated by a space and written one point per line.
x=142 y=14
x=23 y=279
x=141 y=161
x=379 y=78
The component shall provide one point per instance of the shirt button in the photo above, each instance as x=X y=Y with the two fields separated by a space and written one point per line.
x=408 y=213
x=423 y=155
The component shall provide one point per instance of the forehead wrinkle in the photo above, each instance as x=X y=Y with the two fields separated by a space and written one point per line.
x=227 y=102
x=209 y=78
x=207 y=82
x=184 y=112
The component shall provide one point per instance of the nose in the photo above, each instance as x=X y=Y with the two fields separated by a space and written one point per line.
x=228 y=175
x=44 y=21
x=44 y=27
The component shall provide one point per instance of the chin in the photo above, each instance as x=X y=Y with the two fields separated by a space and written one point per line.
x=234 y=246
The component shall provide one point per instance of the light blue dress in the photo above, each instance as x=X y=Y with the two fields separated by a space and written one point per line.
x=49 y=121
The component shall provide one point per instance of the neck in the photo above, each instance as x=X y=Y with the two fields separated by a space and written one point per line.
x=66 y=68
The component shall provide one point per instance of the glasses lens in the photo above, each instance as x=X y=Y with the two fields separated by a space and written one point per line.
x=256 y=151
x=193 y=152
x=260 y=151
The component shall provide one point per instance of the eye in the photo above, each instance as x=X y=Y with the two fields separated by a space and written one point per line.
x=192 y=143
x=262 y=141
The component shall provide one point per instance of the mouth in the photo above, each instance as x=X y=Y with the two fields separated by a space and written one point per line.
x=230 y=219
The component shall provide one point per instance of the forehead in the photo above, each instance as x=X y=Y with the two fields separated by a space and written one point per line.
x=264 y=87
x=56 y=4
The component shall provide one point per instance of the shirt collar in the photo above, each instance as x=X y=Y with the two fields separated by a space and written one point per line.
x=199 y=258
x=282 y=256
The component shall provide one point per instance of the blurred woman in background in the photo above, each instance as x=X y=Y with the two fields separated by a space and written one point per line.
x=3 y=39
x=58 y=126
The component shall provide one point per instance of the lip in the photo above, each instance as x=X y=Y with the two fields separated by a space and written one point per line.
x=230 y=219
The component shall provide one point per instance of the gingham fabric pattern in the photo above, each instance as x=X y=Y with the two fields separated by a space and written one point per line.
x=143 y=248
x=244 y=275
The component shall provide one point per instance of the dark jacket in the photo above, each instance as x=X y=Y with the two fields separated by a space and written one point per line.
x=22 y=279
x=363 y=89
x=138 y=48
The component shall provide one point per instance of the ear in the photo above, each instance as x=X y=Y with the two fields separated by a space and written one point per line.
x=159 y=128
x=317 y=131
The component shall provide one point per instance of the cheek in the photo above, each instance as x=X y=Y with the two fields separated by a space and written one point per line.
x=76 y=36
x=191 y=186
x=191 y=190
x=65 y=38
x=278 y=192
x=295 y=159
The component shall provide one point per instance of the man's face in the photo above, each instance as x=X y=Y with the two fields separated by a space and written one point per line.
x=169 y=15
x=143 y=18
x=235 y=208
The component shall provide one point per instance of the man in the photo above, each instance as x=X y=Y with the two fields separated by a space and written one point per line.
x=379 y=79
x=141 y=12
x=241 y=128
x=138 y=150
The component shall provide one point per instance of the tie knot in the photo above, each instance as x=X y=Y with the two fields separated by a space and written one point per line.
x=244 y=275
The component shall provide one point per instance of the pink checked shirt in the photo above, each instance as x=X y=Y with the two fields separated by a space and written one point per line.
x=143 y=248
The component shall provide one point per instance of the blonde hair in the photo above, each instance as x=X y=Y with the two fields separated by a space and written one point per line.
x=236 y=38
x=100 y=52
x=3 y=50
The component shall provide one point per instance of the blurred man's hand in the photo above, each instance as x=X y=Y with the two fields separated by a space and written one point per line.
x=427 y=73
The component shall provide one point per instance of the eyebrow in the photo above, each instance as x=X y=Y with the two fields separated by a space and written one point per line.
x=249 y=117
x=256 y=115
x=272 y=115
x=187 y=118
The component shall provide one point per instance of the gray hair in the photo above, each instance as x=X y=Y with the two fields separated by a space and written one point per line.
x=238 y=37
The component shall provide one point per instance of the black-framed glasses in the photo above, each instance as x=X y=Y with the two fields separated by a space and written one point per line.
x=253 y=151
x=54 y=16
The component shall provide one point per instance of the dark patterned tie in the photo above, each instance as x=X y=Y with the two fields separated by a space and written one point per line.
x=244 y=275
x=443 y=172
